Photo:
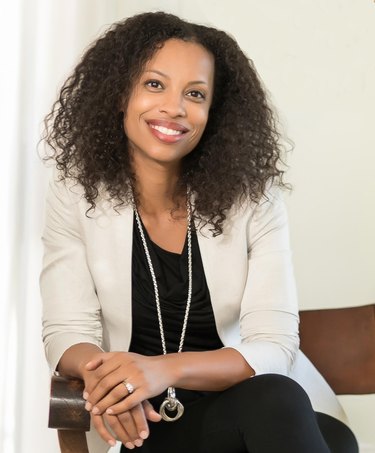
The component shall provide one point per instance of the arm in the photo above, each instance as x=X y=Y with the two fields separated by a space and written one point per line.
x=72 y=330
x=269 y=309
x=209 y=370
x=71 y=310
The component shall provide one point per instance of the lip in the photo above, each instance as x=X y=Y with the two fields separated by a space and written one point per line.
x=168 y=125
x=167 y=138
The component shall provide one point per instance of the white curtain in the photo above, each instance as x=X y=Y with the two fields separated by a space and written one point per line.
x=40 y=40
x=317 y=60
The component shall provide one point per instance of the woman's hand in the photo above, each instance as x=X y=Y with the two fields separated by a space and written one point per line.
x=131 y=428
x=105 y=375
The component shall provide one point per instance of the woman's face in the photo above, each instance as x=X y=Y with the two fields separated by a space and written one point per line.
x=168 y=108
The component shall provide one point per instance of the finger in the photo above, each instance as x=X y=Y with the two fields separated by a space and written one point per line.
x=90 y=381
x=127 y=403
x=102 y=377
x=99 y=425
x=94 y=363
x=140 y=421
x=120 y=430
x=150 y=412
x=110 y=361
x=106 y=386
x=118 y=393
x=128 y=423
x=94 y=370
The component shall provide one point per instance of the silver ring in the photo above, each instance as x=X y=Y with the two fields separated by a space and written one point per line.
x=129 y=387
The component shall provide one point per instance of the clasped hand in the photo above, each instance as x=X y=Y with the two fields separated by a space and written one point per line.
x=109 y=401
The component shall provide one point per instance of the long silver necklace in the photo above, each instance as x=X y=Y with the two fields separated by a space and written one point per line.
x=171 y=403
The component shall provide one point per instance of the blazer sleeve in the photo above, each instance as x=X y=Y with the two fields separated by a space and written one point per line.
x=71 y=310
x=269 y=312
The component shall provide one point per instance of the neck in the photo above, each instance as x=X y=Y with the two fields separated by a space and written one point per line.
x=156 y=187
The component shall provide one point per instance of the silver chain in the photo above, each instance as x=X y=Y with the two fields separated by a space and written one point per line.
x=156 y=290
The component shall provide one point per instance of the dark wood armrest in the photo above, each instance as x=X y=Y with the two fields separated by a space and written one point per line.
x=68 y=414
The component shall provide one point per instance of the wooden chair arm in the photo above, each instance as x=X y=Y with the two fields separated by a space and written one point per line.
x=68 y=414
x=340 y=342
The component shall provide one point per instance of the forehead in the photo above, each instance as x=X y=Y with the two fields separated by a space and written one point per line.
x=189 y=59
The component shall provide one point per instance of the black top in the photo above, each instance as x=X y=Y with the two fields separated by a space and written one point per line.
x=171 y=270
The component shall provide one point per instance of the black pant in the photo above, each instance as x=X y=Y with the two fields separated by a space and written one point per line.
x=266 y=414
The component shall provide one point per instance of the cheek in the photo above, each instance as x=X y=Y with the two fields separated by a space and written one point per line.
x=142 y=102
x=137 y=106
x=201 y=119
x=142 y=105
x=199 y=130
x=197 y=114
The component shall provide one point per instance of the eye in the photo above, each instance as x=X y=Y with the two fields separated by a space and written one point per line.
x=155 y=84
x=196 y=94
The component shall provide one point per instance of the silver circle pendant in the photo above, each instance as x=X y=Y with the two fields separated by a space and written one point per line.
x=171 y=404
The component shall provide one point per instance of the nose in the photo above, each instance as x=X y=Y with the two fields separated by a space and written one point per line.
x=173 y=104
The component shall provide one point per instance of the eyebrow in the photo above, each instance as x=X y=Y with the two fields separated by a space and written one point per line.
x=193 y=82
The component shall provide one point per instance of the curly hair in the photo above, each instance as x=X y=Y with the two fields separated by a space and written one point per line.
x=238 y=155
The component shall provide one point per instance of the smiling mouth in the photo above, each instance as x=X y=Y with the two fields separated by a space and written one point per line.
x=165 y=130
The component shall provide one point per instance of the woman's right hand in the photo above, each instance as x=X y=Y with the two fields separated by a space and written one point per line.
x=130 y=428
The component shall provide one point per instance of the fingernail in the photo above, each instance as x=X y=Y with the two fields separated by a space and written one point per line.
x=112 y=443
x=109 y=411
x=88 y=406
x=129 y=445
x=138 y=442
x=85 y=395
x=95 y=411
x=143 y=434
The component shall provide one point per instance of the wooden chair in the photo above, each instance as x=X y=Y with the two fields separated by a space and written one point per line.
x=340 y=342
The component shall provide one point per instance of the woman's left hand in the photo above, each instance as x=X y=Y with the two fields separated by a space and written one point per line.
x=131 y=428
x=105 y=389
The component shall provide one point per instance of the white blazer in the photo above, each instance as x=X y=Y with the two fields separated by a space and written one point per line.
x=86 y=286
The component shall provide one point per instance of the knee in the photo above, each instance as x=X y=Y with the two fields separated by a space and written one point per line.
x=276 y=394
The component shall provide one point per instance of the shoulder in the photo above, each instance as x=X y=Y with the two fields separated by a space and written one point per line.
x=65 y=187
x=270 y=205
x=70 y=192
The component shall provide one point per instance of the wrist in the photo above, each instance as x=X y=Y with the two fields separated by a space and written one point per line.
x=73 y=361
x=174 y=364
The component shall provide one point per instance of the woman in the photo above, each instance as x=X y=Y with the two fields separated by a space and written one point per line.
x=167 y=280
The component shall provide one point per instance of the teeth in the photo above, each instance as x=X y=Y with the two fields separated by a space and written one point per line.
x=165 y=130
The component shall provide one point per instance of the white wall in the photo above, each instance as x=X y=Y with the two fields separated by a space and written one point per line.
x=315 y=57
